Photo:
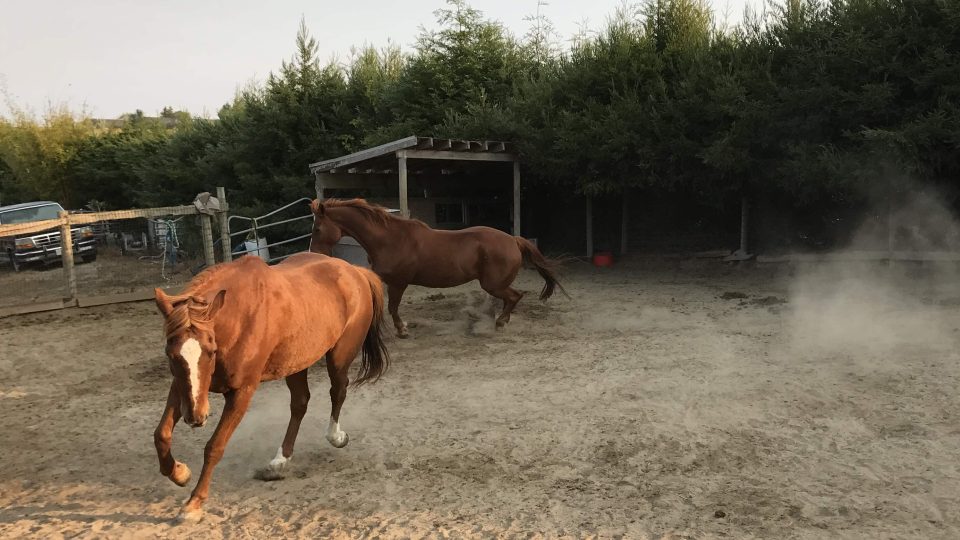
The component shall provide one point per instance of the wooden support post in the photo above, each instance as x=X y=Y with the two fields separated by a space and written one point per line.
x=224 y=225
x=742 y=254
x=623 y=224
x=322 y=183
x=890 y=227
x=516 y=198
x=744 y=222
x=404 y=204
x=66 y=250
x=589 y=226
x=206 y=224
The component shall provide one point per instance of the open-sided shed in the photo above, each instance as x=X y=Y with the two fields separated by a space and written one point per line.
x=447 y=183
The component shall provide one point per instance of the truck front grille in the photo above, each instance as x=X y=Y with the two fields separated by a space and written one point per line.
x=49 y=240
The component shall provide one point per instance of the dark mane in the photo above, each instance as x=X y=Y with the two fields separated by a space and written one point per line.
x=373 y=212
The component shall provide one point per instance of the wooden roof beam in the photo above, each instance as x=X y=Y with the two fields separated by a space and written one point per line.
x=456 y=156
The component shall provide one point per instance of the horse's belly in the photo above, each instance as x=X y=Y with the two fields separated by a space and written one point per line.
x=443 y=269
x=442 y=281
x=290 y=358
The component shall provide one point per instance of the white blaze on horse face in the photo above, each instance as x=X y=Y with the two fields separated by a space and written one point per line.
x=190 y=351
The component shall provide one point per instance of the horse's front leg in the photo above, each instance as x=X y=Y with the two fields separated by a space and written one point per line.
x=163 y=438
x=395 y=292
x=236 y=405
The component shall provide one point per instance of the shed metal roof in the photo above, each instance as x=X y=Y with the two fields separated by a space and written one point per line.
x=377 y=153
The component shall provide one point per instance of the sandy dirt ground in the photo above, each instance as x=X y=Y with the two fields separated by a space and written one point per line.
x=667 y=399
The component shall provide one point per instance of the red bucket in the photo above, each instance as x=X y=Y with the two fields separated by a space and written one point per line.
x=603 y=259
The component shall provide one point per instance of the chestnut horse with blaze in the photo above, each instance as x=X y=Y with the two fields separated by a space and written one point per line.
x=408 y=252
x=241 y=323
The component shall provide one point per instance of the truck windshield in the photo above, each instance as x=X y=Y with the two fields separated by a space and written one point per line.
x=25 y=215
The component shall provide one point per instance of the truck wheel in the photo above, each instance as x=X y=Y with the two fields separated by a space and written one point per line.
x=89 y=258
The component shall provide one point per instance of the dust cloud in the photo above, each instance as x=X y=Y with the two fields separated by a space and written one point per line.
x=850 y=304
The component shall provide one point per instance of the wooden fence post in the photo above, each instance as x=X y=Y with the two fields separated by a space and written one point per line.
x=66 y=251
x=404 y=204
x=206 y=223
x=224 y=225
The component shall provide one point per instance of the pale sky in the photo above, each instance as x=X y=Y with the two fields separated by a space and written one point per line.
x=116 y=56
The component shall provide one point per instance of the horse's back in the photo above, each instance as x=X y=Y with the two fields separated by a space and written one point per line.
x=324 y=300
x=322 y=276
x=316 y=265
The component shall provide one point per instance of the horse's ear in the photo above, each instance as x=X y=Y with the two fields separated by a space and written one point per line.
x=163 y=302
x=216 y=304
x=317 y=207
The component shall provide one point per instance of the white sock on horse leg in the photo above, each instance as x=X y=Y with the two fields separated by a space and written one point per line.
x=279 y=462
x=335 y=435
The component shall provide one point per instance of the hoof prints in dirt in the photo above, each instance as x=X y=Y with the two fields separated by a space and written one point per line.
x=745 y=300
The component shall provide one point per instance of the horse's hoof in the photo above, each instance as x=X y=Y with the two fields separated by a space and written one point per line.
x=180 y=475
x=274 y=470
x=339 y=442
x=279 y=463
x=403 y=335
x=188 y=516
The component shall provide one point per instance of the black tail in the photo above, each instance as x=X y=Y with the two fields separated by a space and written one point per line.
x=374 y=358
x=545 y=267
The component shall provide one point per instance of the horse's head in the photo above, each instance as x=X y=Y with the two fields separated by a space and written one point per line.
x=326 y=232
x=191 y=349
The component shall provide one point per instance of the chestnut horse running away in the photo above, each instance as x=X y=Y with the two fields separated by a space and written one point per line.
x=407 y=252
x=244 y=322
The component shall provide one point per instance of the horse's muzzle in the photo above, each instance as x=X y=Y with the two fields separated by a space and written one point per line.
x=195 y=420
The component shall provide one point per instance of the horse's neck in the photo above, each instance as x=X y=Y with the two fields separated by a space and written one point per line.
x=371 y=235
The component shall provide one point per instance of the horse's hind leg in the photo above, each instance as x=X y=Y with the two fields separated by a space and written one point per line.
x=510 y=298
x=496 y=280
x=299 y=398
x=338 y=364
x=395 y=292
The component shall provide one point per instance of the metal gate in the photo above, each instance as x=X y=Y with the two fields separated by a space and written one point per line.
x=255 y=235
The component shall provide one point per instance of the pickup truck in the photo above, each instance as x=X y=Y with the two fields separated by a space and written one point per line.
x=41 y=247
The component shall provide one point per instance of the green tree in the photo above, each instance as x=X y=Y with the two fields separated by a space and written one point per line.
x=38 y=152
